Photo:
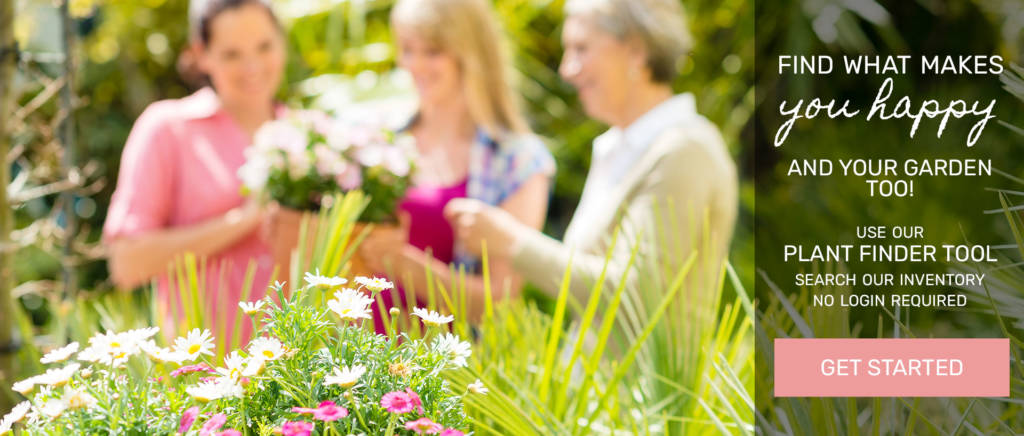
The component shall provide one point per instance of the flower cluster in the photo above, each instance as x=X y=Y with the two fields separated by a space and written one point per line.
x=305 y=156
x=311 y=370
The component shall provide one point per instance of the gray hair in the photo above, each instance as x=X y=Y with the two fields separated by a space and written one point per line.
x=660 y=25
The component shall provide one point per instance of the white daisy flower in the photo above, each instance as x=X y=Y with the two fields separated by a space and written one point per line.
x=206 y=391
x=266 y=348
x=77 y=399
x=213 y=390
x=140 y=335
x=60 y=354
x=230 y=388
x=477 y=387
x=375 y=284
x=432 y=318
x=456 y=350
x=194 y=344
x=317 y=280
x=25 y=386
x=234 y=364
x=89 y=354
x=17 y=414
x=45 y=392
x=162 y=355
x=250 y=308
x=110 y=348
x=53 y=408
x=350 y=304
x=345 y=376
x=57 y=376
x=254 y=366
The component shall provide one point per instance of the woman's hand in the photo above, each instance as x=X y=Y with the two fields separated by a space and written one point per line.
x=249 y=215
x=475 y=222
x=381 y=248
x=280 y=230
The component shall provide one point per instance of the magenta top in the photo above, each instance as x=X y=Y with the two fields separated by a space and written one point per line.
x=179 y=168
x=428 y=230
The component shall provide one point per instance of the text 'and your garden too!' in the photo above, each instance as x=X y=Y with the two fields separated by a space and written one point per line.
x=889 y=179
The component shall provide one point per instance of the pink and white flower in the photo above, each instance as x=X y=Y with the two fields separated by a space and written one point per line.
x=424 y=426
x=296 y=428
x=396 y=402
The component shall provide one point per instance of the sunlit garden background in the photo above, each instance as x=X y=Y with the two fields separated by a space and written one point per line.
x=124 y=57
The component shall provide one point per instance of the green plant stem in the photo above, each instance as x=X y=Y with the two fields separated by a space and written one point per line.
x=391 y=426
x=392 y=331
x=359 y=415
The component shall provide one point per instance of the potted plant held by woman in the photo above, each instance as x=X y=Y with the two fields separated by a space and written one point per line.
x=299 y=161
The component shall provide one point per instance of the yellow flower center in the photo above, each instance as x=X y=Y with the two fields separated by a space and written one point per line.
x=193 y=349
x=268 y=354
x=76 y=401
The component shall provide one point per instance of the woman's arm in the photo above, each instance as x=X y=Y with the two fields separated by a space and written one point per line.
x=693 y=178
x=136 y=258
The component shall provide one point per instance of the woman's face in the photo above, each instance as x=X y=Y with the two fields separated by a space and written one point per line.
x=434 y=71
x=600 y=66
x=244 y=56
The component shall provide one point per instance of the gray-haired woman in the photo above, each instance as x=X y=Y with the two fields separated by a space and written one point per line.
x=621 y=55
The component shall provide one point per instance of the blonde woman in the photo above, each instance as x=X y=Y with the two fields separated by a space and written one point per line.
x=472 y=140
x=621 y=55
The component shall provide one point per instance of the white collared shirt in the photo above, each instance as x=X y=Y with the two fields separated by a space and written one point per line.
x=617 y=150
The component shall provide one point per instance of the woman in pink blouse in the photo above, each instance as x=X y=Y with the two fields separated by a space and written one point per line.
x=178 y=189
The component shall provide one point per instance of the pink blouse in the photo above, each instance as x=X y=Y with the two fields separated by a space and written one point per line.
x=179 y=168
x=428 y=230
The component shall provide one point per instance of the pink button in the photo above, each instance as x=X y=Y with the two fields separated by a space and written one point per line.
x=892 y=367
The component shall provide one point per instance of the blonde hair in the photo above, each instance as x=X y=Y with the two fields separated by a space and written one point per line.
x=660 y=25
x=468 y=30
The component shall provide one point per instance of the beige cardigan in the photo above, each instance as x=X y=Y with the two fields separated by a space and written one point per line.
x=686 y=166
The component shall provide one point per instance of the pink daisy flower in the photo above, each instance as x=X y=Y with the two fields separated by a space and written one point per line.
x=296 y=428
x=414 y=399
x=214 y=424
x=188 y=369
x=397 y=402
x=452 y=432
x=230 y=432
x=188 y=418
x=423 y=426
x=328 y=411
